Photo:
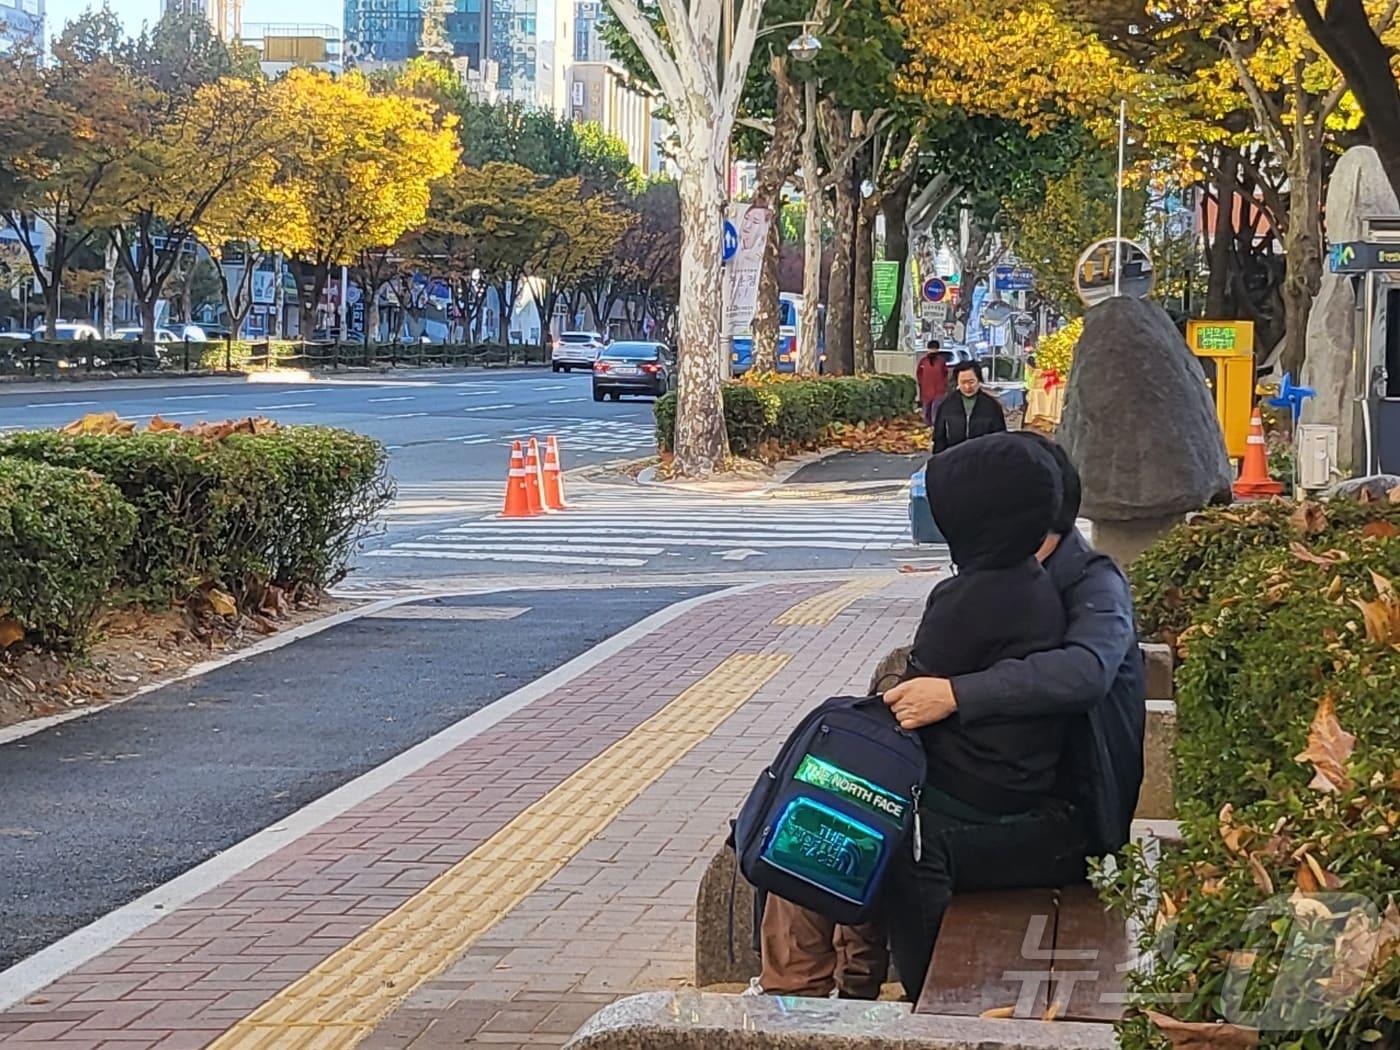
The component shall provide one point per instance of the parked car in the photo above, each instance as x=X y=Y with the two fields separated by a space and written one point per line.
x=70 y=332
x=189 y=333
x=576 y=350
x=634 y=368
x=133 y=335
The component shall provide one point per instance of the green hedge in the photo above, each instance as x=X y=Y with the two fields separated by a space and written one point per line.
x=796 y=413
x=62 y=534
x=1290 y=622
x=283 y=507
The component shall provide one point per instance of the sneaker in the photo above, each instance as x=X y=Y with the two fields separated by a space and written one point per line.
x=753 y=989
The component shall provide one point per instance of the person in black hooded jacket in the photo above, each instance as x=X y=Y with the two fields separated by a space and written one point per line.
x=990 y=816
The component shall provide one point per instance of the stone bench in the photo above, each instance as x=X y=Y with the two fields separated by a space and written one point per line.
x=689 y=1020
x=724 y=905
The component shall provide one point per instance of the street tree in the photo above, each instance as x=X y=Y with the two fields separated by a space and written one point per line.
x=66 y=129
x=702 y=85
x=358 y=174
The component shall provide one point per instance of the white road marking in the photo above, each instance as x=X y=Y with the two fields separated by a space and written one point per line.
x=469 y=438
x=269 y=408
x=403 y=415
x=195 y=397
x=478 y=393
x=62 y=404
x=566 y=400
x=173 y=415
x=537 y=548
x=547 y=559
x=551 y=386
x=375 y=400
x=486 y=408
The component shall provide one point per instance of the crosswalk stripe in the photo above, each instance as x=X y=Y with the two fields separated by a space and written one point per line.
x=397 y=551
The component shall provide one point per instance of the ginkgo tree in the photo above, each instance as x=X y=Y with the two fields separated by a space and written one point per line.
x=702 y=88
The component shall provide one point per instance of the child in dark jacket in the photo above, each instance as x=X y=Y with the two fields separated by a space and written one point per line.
x=994 y=499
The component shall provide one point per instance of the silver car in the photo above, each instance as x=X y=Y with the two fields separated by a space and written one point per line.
x=576 y=350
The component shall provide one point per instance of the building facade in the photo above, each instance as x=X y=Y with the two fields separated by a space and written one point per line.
x=602 y=93
x=387 y=32
x=21 y=22
x=226 y=16
x=283 y=45
x=514 y=35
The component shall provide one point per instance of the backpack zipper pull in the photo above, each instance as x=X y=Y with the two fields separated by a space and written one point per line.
x=918 y=826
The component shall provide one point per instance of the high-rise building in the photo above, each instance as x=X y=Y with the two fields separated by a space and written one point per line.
x=21 y=21
x=556 y=57
x=603 y=94
x=515 y=48
x=588 y=45
x=391 y=31
x=226 y=16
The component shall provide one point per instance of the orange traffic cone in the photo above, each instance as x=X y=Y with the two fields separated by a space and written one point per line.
x=517 y=491
x=553 y=476
x=1254 y=481
x=532 y=477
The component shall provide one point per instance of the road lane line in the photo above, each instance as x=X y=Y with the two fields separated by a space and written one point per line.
x=477 y=393
x=376 y=400
x=545 y=546
x=551 y=386
x=403 y=415
x=432 y=553
x=466 y=437
x=566 y=400
x=62 y=404
x=194 y=397
x=486 y=408
x=298 y=404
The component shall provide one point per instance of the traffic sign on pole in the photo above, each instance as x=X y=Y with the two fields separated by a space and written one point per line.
x=731 y=240
x=935 y=289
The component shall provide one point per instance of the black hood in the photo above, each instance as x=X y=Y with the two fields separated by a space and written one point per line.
x=994 y=499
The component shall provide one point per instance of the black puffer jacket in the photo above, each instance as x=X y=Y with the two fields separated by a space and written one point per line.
x=952 y=424
x=993 y=500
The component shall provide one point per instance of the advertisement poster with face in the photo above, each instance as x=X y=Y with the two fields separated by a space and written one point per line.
x=743 y=270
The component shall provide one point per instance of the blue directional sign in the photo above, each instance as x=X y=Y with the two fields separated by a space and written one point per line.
x=1013 y=279
x=935 y=289
x=731 y=240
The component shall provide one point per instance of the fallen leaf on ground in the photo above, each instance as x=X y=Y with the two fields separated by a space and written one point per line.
x=160 y=426
x=1309 y=518
x=99 y=423
x=10 y=632
x=1329 y=748
x=998 y=1013
x=1303 y=554
x=1204 y=1035
x=221 y=602
x=1260 y=876
x=1379 y=530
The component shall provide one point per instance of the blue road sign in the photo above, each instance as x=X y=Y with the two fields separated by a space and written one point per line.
x=935 y=289
x=731 y=240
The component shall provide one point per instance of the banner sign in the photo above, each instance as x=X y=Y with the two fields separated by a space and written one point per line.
x=743 y=269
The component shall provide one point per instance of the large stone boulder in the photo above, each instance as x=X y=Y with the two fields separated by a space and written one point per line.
x=1357 y=190
x=1139 y=420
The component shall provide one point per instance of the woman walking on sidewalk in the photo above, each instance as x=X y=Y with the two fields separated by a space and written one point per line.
x=967 y=412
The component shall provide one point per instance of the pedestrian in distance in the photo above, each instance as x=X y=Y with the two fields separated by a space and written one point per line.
x=932 y=375
x=967 y=412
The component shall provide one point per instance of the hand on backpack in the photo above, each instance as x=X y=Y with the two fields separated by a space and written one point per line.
x=921 y=702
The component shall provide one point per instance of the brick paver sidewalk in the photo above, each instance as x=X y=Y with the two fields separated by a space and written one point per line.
x=507 y=889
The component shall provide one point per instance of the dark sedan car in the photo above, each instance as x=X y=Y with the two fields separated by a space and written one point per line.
x=634 y=368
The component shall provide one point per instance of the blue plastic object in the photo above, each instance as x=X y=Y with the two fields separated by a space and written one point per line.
x=1291 y=397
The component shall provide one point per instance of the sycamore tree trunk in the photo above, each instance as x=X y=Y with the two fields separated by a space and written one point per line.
x=840 y=317
x=766 y=314
x=773 y=172
x=897 y=248
x=109 y=289
x=701 y=443
x=862 y=336
x=813 y=199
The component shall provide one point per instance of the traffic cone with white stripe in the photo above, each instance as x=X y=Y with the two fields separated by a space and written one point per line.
x=553 y=476
x=1254 y=481
x=533 y=484
x=517 y=490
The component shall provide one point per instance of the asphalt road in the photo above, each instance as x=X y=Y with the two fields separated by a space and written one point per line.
x=100 y=810
x=440 y=426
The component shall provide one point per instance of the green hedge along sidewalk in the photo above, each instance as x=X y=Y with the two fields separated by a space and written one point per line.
x=772 y=416
x=94 y=521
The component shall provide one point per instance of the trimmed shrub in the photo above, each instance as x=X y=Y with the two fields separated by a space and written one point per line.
x=283 y=507
x=62 y=534
x=1288 y=742
x=793 y=412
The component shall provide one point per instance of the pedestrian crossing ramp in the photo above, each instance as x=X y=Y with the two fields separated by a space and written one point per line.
x=628 y=530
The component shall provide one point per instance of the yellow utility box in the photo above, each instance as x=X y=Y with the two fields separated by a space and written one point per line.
x=1226 y=352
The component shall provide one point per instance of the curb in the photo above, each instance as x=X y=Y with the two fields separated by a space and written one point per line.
x=49 y=964
x=784 y=471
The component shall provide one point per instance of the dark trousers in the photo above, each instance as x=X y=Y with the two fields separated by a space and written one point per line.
x=1042 y=848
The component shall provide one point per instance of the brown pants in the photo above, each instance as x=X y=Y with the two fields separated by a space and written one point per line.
x=810 y=955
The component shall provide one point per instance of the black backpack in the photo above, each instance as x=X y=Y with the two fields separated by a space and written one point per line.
x=826 y=818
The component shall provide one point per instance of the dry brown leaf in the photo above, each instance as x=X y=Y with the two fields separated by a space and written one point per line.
x=10 y=632
x=263 y=425
x=1385 y=590
x=221 y=602
x=1377 y=616
x=1329 y=748
x=99 y=423
x=1204 y=1035
x=1232 y=835
x=1309 y=519
x=1054 y=1011
x=1379 y=530
x=160 y=426
x=1352 y=956
x=1334 y=588
x=1260 y=876
x=1303 y=554
x=1314 y=878
x=998 y=1013
x=1393 y=495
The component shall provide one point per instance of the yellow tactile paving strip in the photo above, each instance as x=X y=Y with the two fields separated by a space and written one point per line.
x=820 y=609
x=339 y=1002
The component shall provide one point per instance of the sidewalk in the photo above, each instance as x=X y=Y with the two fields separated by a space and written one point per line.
x=499 y=883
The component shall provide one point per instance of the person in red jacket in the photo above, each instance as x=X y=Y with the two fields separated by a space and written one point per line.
x=932 y=375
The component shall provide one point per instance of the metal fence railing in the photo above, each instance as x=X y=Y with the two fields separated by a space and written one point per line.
x=40 y=358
